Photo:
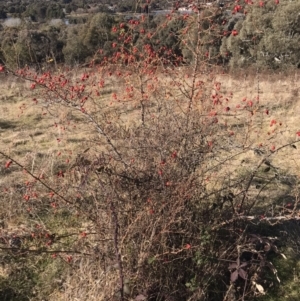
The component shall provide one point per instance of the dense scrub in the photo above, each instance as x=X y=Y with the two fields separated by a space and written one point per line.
x=260 y=34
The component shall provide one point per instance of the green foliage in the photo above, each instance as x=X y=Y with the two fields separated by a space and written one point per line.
x=207 y=28
x=54 y=11
x=38 y=11
x=268 y=37
x=127 y=6
x=14 y=47
x=74 y=51
x=29 y=276
x=84 y=41
x=34 y=47
x=168 y=35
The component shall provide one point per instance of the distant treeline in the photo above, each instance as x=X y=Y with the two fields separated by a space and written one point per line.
x=265 y=35
x=41 y=10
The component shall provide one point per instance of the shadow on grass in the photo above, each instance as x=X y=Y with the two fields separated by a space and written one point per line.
x=9 y=294
x=288 y=269
x=5 y=125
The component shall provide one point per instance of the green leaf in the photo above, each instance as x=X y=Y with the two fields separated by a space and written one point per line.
x=151 y=260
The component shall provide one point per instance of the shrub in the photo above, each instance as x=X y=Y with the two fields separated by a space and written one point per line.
x=260 y=36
